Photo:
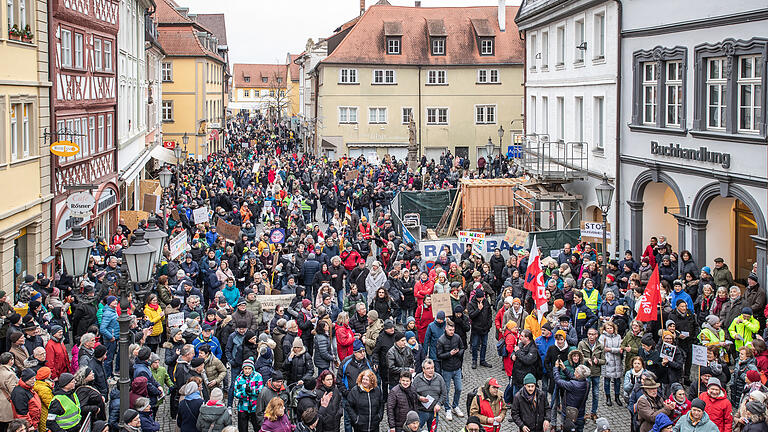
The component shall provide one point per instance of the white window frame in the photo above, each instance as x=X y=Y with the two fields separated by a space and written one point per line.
x=579 y=117
x=718 y=84
x=377 y=115
x=493 y=76
x=348 y=76
x=346 y=114
x=79 y=50
x=406 y=113
x=92 y=134
x=110 y=137
x=14 y=115
x=599 y=130
x=561 y=41
x=66 y=48
x=752 y=82
x=97 y=54
x=246 y=93
x=438 y=116
x=393 y=45
x=22 y=14
x=438 y=46
x=384 y=76
x=545 y=115
x=108 y=55
x=533 y=49
x=533 y=115
x=26 y=129
x=545 y=50
x=560 y=101
x=436 y=77
x=100 y=132
x=485 y=114
x=9 y=13
x=649 y=92
x=674 y=92
x=166 y=71
x=579 y=38
x=486 y=46
x=599 y=42
x=166 y=111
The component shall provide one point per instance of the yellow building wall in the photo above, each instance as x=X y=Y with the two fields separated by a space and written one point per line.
x=460 y=95
x=293 y=95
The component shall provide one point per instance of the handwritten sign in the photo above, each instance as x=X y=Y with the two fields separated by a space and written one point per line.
x=132 y=218
x=227 y=230
x=442 y=302
x=277 y=235
x=176 y=320
x=269 y=302
x=200 y=215
x=351 y=175
x=516 y=237
x=178 y=244
x=668 y=351
x=699 y=355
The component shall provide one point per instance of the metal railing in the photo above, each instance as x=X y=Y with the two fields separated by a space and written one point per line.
x=554 y=161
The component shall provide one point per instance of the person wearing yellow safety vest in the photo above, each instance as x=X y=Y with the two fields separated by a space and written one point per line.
x=306 y=210
x=64 y=411
x=712 y=335
x=591 y=295
x=743 y=327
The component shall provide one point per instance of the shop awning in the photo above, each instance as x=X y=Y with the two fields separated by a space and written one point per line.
x=164 y=155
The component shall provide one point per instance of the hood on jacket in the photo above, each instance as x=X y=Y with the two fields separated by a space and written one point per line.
x=662 y=421
x=139 y=386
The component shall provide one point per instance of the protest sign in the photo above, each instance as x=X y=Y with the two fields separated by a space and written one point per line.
x=269 y=302
x=178 y=244
x=200 y=215
x=277 y=235
x=227 y=230
x=176 y=320
x=442 y=302
x=151 y=203
x=516 y=237
x=699 y=356
x=132 y=218
x=668 y=351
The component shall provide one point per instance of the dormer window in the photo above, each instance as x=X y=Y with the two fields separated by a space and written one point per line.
x=486 y=46
x=247 y=79
x=279 y=80
x=264 y=79
x=438 y=46
x=393 y=45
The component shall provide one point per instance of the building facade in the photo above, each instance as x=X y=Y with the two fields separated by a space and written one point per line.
x=25 y=161
x=154 y=59
x=693 y=130
x=307 y=61
x=458 y=72
x=193 y=75
x=84 y=102
x=571 y=79
x=218 y=26
x=261 y=88
x=132 y=153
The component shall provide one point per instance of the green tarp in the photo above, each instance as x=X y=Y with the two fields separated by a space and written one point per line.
x=554 y=240
x=429 y=204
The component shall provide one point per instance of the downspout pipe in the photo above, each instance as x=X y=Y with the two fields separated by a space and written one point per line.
x=617 y=181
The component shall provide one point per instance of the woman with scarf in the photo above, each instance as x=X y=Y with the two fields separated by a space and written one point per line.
x=325 y=289
x=424 y=317
x=214 y=415
x=56 y=356
x=322 y=277
x=189 y=407
x=375 y=280
x=154 y=314
x=406 y=287
x=632 y=378
x=366 y=403
x=612 y=370
x=704 y=303
x=746 y=362
x=682 y=404
x=330 y=414
x=382 y=304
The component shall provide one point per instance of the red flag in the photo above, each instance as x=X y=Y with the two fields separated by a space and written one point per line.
x=649 y=302
x=534 y=280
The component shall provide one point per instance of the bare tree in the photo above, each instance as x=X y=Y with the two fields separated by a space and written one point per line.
x=279 y=99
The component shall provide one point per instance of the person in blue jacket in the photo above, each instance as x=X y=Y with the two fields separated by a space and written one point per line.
x=435 y=329
x=583 y=317
x=110 y=331
x=679 y=293
x=206 y=337
x=543 y=342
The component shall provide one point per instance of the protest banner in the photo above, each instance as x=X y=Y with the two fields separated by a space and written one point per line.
x=269 y=302
x=516 y=237
x=227 y=230
x=442 y=302
x=178 y=245
x=277 y=235
x=200 y=215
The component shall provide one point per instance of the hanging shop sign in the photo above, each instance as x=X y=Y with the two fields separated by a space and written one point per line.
x=81 y=203
x=65 y=148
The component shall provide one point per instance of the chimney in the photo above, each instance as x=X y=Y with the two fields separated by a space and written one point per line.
x=417 y=3
x=502 y=15
x=362 y=6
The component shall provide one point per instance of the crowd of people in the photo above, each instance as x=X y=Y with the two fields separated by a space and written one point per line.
x=354 y=341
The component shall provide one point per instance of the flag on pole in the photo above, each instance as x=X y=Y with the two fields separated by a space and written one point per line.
x=649 y=302
x=534 y=280
x=348 y=209
x=406 y=234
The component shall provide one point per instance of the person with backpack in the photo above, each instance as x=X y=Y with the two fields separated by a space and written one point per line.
x=488 y=406
x=575 y=388
x=530 y=408
x=506 y=345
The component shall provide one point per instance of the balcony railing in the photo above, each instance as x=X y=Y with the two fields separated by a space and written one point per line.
x=554 y=161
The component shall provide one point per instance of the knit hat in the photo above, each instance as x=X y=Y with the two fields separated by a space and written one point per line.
x=43 y=373
x=559 y=303
x=753 y=376
x=305 y=303
x=399 y=335
x=99 y=351
x=707 y=270
x=756 y=407
x=409 y=334
x=27 y=374
x=561 y=333
x=670 y=322
x=529 y=379
x=389 y=324
x=511 y=325
x=441 y=315
x=241 y=301
x=206 y=327
x=196 y=362
x=410 y=319
x=130 y=415
x=675 y=387
x=474 y=420
x=458 y=309
x=65 y=379
x=249 y=362
x=216 y=394
x=153 y=358
x=746 y=310
x=508 y=300
x=373 y=315
x=141 y=404
x=758 y=396
x=110 y=299
x=358 y=345
x=698 y=403
x=297 y=343
x=411 y=417
x=602 y=425
x=712 y=319
x=714 y=381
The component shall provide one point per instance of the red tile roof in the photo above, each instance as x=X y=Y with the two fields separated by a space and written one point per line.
x=181 y=41
x=293 y=67
x=256 y=72
x=216 y=23
x=365 y=43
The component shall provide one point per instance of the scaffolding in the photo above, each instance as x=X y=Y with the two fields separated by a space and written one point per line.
x=553 y=162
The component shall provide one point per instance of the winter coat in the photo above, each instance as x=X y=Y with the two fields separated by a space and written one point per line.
x=215 y=370
x=434 y=331
x=189 y=411
x=56 y=358
x=323 y=354
x=524 y=412
x=704 y=425
x=399 y=402
x=247 y=390
x=8 y=380
x=510 y=339
x=633 y=342
x=27 y=403
x=481 y=320
x=330 y=416
x=399 y=361
x=647 y=409
x=722 y=277
x=45 y=391
x=366 y=409
x=148 y=424
x=155 y=317
x=298 y=366
x=612 y=346
x=345 y=338
x=426 y=387
x=526 y=362
x=742 y=331
x=424 y=318
x=109 y=328
x=719 y=409
x=588 y=352
x=450 y=362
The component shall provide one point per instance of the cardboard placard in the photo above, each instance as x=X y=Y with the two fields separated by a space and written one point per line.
x=178 y=244
x=227 y=230
x=442 y=302
x=351 y=175
x=516 y=237
x=176 y=320
x=151 y=203
x=593 y=232
x=200 y=215
x=668 y=351
x=699 y=356
x=132 y=218
x=269 y=302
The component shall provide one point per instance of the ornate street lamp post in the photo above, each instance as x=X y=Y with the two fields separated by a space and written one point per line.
x=604 y=192
x=75 y=252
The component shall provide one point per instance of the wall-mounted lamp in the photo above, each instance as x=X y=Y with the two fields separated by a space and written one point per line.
x=582 y=46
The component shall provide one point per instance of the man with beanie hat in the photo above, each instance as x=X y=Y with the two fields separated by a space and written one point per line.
x=411 y=422
x=274 y=387
x=743 y=328
x=26 y=402
x=206 y=337
x=461 y=323
x=473 y=424
x=64 y=410
x=141 y=368
x=696 y=420
x=450 y=353
x=481 y=317
x=717 y=405
x=147 y=421
x=435 y=329
x=399 y=359
x=96 y=363
x=197 y=369
x=131 y=421
x=384 y=342
x=530 y=408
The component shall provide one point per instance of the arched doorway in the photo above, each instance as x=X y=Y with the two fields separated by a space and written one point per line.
x=731 y=225
x=656 y=220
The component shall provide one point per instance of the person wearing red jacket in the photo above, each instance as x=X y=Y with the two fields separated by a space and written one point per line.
x=424 y=317
x=423 y=288
x=510 y=340
x=345 y=336
x=650 y=253
x=349 y=257
x=718 y=407
x=56 y=353
x=26 y=402
x=500 y=316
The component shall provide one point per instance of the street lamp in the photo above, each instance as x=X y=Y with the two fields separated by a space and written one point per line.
x=489 y=147
x=75 y=252
x=139 y=258
x=501 y=137
x=165 y=176
x=155 y=237
x=177 y=152
x=604 y=192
